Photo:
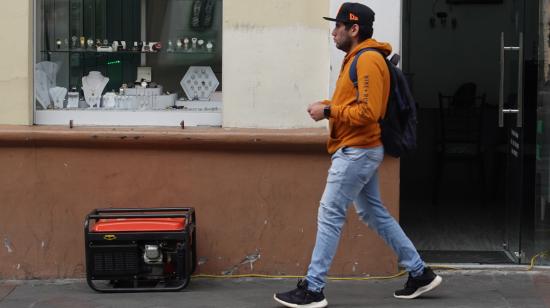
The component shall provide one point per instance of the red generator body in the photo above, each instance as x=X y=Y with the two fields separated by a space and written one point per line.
x=139 y=250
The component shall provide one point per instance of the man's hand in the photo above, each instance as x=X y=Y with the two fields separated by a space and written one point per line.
x=315 y=111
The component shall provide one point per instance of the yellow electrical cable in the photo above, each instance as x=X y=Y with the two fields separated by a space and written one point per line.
x=329 y=278
x=401 y=273
x=535 y=257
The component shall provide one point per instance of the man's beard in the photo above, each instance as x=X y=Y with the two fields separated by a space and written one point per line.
x=345 y=45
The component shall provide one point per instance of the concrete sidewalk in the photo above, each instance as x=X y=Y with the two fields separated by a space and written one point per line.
x=472 y=288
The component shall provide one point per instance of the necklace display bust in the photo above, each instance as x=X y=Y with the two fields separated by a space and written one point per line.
x=57 y=95
x=93 y=86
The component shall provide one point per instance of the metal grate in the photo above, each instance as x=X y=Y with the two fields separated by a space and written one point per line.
x=115 y=260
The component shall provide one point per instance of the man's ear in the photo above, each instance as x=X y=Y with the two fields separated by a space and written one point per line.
x=355 y=30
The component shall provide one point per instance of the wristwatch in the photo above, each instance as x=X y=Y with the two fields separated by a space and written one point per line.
x=326 y=112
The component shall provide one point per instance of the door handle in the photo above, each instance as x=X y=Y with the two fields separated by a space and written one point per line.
x=501 y=110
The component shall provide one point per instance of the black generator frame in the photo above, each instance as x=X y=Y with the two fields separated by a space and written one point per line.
x=121 y=240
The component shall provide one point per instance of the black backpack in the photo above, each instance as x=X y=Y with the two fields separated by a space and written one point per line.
x=399 y=124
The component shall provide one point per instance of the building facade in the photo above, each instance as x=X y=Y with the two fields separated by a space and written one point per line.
x=245 y=153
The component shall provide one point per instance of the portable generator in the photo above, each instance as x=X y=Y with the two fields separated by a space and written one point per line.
x=138 y=250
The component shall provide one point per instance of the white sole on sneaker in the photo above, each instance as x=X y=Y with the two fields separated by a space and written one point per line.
x=321 y=304
x=436 y=282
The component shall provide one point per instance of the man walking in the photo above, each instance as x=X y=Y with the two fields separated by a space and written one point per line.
x=357 y=151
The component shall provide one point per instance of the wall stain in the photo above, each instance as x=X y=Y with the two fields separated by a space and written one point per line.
x=8 y=245
x=249 y=259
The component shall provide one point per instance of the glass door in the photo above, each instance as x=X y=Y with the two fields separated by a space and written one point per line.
x=510 y=120
x=542 y=148
x=517 y=119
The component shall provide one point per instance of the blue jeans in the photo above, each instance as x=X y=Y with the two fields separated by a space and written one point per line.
x=353 y=177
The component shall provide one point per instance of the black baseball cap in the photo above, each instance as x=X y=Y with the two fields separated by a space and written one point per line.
x=354 y=13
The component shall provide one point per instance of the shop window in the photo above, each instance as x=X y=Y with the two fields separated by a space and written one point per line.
x=128 y=62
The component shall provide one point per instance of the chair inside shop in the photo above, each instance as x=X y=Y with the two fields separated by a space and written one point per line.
x=459 y=131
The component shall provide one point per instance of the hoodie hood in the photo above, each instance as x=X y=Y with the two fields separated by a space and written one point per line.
x=369 y=43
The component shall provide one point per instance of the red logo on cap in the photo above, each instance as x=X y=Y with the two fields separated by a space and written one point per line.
x=353 y=17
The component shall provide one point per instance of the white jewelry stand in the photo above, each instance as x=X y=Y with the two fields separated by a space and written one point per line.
x=41 y=88
x=93 y=86
x=109 y=100
x=50 y=69
x=58 y=94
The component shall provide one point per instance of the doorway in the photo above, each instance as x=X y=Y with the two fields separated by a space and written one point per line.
x=467 y=193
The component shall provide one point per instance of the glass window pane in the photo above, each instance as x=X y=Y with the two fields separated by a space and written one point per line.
x=101 y=56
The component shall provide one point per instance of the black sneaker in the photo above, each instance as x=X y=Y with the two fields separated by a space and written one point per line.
x=417 y=286
x=301 y=297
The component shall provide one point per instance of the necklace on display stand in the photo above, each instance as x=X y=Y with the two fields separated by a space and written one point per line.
x=93 y=86
x=58 y=94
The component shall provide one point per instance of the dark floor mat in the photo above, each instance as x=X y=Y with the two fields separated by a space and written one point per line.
x=465 y=256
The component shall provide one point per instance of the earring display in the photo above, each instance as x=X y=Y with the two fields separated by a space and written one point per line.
x=199 y=83
x=73 y=98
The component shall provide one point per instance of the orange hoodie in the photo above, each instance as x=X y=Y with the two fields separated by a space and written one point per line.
x=354 y=114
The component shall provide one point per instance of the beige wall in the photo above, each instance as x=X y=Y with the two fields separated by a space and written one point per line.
x=275 y=62
x=15 y=62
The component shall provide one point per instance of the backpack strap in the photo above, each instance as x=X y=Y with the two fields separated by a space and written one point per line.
x=353 y=68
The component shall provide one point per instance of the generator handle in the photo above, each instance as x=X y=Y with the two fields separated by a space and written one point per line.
x=114 y=213
x=130 y=210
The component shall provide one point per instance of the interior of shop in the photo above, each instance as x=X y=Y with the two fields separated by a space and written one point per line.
x=456 y=202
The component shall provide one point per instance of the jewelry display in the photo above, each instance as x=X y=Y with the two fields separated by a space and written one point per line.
x=199 y=82
x=93 y=86
x=145 y=47
x=50 y=69
x=57 y=94
x=104 y=49
x=74 y=39
x=194 y=43
x=157 y=46
x=82 y=42
x=209 y=46
x=58 y=43
x=109 y=100
x=41 y=88
x=170 y=47
x=105 y=42
x=200 y=43
x=90 y=43
x=98 y=42
x=123 y=45
x=179 y=44
x=73 y=98
x=115 y=45
x=144 y=74
x=186 y=43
